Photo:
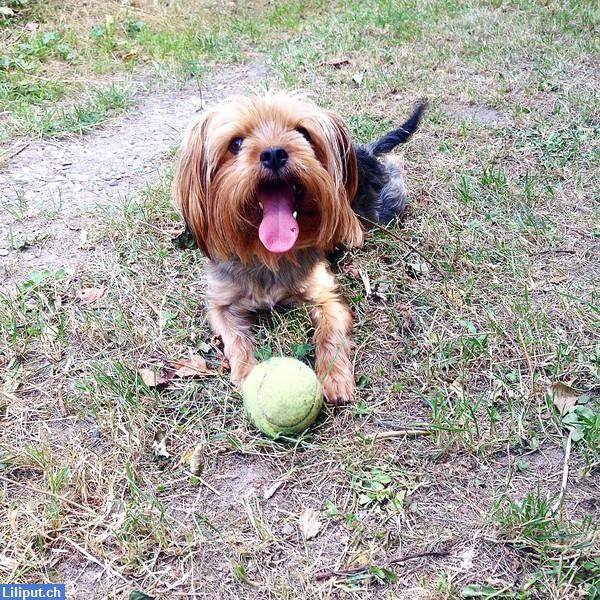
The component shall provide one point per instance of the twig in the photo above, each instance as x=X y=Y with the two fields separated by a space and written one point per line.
x=565 y=474
x=8 y=155
x=439 y=270
x=38 y=490
x=557 y=251
x=365 y=568
x=94 y=559
x=395 y=433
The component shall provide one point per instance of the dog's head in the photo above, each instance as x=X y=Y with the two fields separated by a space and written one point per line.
x=261 y=177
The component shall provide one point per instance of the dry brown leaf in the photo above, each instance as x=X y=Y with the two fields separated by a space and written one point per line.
x=194 y=366
x=193 y=458
x=563 y=396
x=309 y=523
x=270 y=491
x=557 y=279
x=130 y=55
x=336 y=62
x=152 y=377
x=89 y=295
x=454 y=295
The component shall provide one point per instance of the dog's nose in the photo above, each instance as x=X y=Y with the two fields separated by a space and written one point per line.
x=273 y=157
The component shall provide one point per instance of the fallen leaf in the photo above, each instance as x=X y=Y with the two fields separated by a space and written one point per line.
x=366 y=282
x=358 y=78
x=203 y=347
x=454 y=295
x=193 y=458
x=89 y=295
x=417 y=269
x=270 y=491
x=563 y=396
x=159 y=445
x=129 y=55
x=137 y=595
x=309 y=523
x=557 y=279
x=32 y=26
x=336 y=62
x=194 y=366
x=151 y=377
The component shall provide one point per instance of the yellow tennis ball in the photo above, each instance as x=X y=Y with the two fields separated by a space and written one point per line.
x=282 y=396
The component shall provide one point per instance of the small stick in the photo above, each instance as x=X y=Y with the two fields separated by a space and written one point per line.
x=395 y=433
x=364 y=568
x=565 y=474
x=7 y=155
x=439 y=270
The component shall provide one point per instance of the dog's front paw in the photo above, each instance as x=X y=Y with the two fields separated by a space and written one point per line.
x=240 y=368
x=338 y=388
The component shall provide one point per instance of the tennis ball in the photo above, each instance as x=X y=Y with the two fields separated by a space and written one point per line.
x=282 y=396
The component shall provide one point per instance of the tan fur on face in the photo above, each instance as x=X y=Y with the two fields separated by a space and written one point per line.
x=217 y=190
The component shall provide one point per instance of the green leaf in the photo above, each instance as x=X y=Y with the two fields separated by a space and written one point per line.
x=363 y=499
x=137 y=595
x=362 y=381
x=577 y=434
x=383 y=573
x=302 y=350
x=185 y=240
x=571 y=419
x=48 y=37
x=585 y=412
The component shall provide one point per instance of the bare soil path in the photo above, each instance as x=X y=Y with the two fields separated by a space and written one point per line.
x=49 y=190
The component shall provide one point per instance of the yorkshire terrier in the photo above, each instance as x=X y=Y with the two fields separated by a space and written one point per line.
x=267 y=186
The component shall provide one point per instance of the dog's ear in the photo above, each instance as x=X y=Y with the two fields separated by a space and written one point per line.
x=191 y=182
x=343 y=166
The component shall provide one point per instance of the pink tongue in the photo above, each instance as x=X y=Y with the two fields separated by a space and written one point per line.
x=278 y=229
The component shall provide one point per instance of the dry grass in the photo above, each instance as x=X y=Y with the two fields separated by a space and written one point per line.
x=453 y=445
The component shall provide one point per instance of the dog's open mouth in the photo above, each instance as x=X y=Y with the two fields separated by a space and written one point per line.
x=278 y=230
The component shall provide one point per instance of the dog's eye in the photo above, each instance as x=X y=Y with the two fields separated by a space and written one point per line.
x=235 y=145
x=303 y=133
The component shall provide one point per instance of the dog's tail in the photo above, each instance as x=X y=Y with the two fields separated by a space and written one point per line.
x=399 y=136
x=381 y=194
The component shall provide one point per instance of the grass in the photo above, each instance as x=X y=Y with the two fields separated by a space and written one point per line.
x=454 y=443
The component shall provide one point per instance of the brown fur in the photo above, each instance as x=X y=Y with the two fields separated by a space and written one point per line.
x=216 y=191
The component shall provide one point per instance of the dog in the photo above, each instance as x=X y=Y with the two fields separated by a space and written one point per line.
x=268 y=185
